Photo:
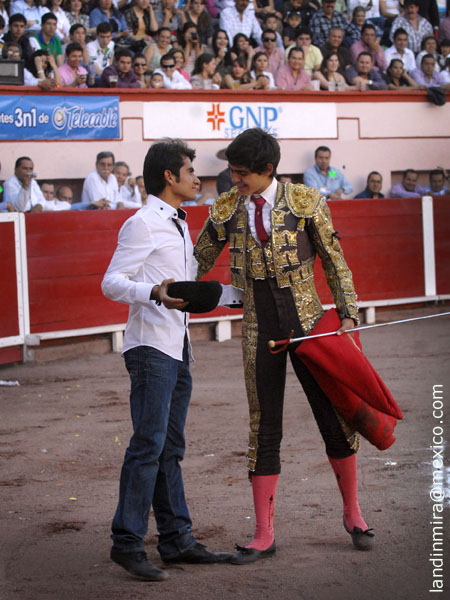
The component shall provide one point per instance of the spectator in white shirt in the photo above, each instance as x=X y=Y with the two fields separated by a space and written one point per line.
x=240 y=19
x=100 y=187
x=128 y=195
x=101 y=50
x=401 y=51
x=22 y=191
x=64 y=198
x=173 y=79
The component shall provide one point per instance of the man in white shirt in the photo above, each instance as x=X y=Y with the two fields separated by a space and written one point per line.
x=128 y=195
x=240 y=19
x=173 y=79
x=400 y=50
x=22 y=191
x=100 y=187
x=154 y=249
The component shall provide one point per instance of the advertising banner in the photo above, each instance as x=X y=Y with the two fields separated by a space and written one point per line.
x=225 y=120
x=59 y=117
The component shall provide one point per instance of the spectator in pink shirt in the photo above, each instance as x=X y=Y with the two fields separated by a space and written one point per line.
x=72 y=74
x=293 y=76
x=368 y=43
x=274 y=54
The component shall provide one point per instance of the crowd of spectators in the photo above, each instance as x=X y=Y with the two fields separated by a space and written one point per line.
x=235 y=44
x=111 y=185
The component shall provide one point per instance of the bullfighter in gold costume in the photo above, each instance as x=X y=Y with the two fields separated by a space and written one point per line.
x=274 y=232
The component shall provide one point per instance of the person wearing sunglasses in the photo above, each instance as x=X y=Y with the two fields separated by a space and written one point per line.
x=172 y=78
x=140 y=68
x=274 y=54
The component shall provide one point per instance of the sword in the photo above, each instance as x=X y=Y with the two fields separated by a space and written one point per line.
x=284 y=343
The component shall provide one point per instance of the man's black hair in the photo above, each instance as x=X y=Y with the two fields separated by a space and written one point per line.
x=405 y=173
x=73 y=47
x=437 y=172
x=122 y=52
x=321 y=149
x=364 y=53
x=76 y=26
x=167 y=155
x=254 y=149
x=48 y=17
x=295 y=49
x=18 y=17
x=368 y=26
x=400 y=31
x=19 y=161
x=304 y=31
x=104 y=28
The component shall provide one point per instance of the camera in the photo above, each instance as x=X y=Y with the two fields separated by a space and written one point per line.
x=194 y=36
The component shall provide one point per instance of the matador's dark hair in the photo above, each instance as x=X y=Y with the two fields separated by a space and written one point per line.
x=254 y=149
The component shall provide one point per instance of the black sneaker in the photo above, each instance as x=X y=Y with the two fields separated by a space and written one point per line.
x=198 y=554
x=138 y=564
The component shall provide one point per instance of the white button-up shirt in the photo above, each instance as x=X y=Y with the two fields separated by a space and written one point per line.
x=230 y=21
x=150 y=249
x=269 y=195
x=95 y=188
x=24 y=199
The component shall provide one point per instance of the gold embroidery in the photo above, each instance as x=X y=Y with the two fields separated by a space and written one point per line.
x=224 y=207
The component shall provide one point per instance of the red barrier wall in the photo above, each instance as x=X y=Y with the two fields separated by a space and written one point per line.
x=441 y=205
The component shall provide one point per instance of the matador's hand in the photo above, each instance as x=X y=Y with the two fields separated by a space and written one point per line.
x=346 y=325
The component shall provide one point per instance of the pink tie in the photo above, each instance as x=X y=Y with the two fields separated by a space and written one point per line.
x=259 y=225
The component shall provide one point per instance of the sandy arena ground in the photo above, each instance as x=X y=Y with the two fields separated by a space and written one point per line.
x=65 y=429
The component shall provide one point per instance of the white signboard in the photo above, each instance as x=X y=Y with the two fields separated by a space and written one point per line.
x=225 y=120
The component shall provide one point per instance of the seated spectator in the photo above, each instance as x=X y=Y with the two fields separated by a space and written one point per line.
x=178 y=55
x=429 y=46
x=240 y=78
x=242 y=48
x=190 y=43
x=53 y=203
x=173 y=80
x=259 y=68
x=100 y=188
x=313 y=56
x=63 y=25
x=156 y=80
x=48 y=190
x=101 y=50
x=105 y=12
x=128 y=195
x=221 y=49
x=16 y=34
x=330 y=77
x=140 y=184
x=292 y=27
x=140 y=69
x=274 y=54
x=427 y=76
x=203 y=75
x=363 y=76
x=272 y=21
x=293 y=76
x=326 y=18
x=368 y=43
x=306 y=8
x=72 y=74
x=398 y=77
x=408 y=188
x=47 y=40
x=160 y=47
x=401 y=51
x=22 y=191
x=197 y=15
x=77 y=35
x=240 y=19
x=356 y=25
x=64 y=198
x=437 y=185
x=142 y=23
x=120 y=73
x=41 y=70
x=334 y=44
x=75 y=16
x=330 y=181
x=31 y=11
x=373 y=187
x=168 y=15
x=415 y=26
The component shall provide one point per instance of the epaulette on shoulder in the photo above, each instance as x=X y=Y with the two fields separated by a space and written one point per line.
x=303 y=201
x=224 y=207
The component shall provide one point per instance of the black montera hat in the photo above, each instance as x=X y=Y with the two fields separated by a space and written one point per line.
x=203 y=296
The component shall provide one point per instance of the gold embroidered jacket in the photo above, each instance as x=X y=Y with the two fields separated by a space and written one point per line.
x=301 y=229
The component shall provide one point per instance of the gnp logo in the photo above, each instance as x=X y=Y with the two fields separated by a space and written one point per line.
x=238 y=118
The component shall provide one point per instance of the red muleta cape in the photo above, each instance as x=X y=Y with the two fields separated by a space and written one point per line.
x=351 y=383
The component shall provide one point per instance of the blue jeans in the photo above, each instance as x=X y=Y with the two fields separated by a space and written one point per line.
x=151 y=475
